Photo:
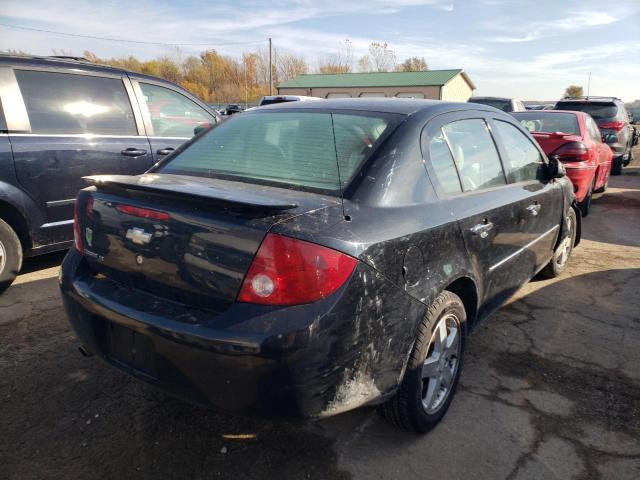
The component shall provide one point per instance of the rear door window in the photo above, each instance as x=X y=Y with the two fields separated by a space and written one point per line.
x=475 y=154
x=172 y=114
x=442 y=162
x=62 y=103
x=594 y=131
x=525 y=161
x=292 y=149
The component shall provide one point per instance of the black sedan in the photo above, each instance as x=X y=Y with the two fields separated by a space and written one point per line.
x=304 y=260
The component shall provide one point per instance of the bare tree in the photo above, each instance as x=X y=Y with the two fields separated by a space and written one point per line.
x=379 y=59
x=338 y=62
x=290 y=66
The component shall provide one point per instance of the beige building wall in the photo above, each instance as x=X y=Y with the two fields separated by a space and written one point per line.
x=456 y=90
x=428 y=92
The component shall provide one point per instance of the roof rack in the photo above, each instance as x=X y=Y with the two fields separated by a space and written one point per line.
x=589 y=97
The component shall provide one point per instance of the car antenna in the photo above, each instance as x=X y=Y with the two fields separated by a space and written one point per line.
x=588 y=85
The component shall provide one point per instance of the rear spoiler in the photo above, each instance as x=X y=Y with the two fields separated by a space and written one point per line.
x=210 y=191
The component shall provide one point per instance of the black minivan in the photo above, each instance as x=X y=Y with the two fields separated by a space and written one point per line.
x=65 y=118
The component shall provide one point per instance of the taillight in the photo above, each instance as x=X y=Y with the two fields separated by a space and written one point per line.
x=143 y=212
x=572 y=152
x=288 y=271
x=77 y=237
x=617 y=126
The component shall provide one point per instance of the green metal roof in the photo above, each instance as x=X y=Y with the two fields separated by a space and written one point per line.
x=375 y=79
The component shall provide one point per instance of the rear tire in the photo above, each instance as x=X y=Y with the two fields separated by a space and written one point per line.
x=10 y=255
x=561 y=254
x=433 y=370
x=616 y=166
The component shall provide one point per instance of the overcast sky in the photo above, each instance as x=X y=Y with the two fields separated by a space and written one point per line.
x=525 y=49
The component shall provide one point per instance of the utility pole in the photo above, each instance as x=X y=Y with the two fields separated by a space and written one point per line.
x=270 y=70
x=589 y=85
x=246 y=95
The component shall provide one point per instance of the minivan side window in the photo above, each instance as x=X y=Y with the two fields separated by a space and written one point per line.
x=173 y=114
x=64 y=103
x=442 y=162
x=475 y=154
x=525 y=161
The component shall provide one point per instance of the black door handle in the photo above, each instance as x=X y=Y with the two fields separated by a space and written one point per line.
x=165 y=151
x=133 y=152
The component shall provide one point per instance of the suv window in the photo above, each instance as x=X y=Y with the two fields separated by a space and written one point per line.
x=599 y=111
x=594 y=131
x=475 y=154
x=525 y=161
x=63 y=103
x=442 y=163
x=173 y=114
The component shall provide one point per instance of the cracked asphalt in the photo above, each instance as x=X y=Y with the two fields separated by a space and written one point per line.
x=550 y=390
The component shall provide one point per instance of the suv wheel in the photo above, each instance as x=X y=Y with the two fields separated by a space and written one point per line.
x=561 y=255
x=10 y=255
x=434 y=367
x=616 y=166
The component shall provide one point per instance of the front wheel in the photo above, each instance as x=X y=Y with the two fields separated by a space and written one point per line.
x=434 y=368
x=561 y=255
x=10 y=255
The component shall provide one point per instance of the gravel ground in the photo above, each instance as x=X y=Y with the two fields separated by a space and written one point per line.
x=551 y=389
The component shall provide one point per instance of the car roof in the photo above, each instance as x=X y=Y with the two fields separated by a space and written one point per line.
x=405 y=106
x=538 y=112
x=590 y=100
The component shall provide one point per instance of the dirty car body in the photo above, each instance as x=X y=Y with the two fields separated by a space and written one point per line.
x=163 y=284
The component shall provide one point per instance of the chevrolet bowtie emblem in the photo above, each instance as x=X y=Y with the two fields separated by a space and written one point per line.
x=138 y=236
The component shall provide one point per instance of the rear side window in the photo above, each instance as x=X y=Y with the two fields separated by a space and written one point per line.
x=525 y=161
x=61 y=103
x=300 y=150
x=475 y=154
x=173 y=114
x=594 y=131
x=442 y=163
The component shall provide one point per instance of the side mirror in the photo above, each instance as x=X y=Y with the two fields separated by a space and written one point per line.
x=610 y=138
x=555 y=168
x=201 y=128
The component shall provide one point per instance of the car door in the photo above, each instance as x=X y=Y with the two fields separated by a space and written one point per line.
x=170 y=115
x=487 y=207
x=539 y=208
x=78 y=124
x=603 y=152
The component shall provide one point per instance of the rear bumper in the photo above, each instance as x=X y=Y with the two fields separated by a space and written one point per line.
x=298 y=361
x=581 y=178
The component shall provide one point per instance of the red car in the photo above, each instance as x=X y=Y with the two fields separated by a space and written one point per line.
x=575 y=139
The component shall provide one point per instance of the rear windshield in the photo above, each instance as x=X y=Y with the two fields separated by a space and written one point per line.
x=271 y=101
x=599 y=111
x=504 y=105
x=549 y=122
x=314 y=151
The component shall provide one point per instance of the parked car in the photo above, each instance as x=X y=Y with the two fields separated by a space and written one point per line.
x=271 y=99
x=504 y=104
x=613 y=120
x=232 y=109
x=62 y=119
x=280 y=277
x=576 y=141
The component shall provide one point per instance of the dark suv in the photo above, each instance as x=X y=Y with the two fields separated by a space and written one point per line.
x=62 y=119
x=614 y=122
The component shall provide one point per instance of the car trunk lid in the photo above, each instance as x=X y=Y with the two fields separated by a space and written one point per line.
x=187 y=239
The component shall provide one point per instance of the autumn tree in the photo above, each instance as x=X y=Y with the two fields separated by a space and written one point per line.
x=337 y=62
x=413 y=64
x=573 y=91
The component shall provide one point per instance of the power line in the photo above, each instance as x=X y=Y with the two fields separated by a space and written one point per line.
x=124 y=40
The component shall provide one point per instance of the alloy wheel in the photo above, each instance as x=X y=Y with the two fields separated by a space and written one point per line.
x=440 y=368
